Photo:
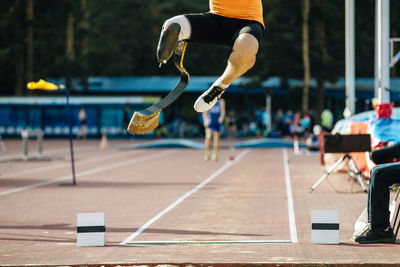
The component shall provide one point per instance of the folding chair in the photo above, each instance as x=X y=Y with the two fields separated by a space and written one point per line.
x=395 y=224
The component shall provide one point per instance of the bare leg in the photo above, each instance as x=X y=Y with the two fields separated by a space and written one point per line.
x=84 y=131
x=216 y=136
x=241 y=59
x=296 y=144
x=208 y=144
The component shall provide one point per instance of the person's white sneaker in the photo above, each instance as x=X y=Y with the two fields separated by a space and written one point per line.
x=208 y=99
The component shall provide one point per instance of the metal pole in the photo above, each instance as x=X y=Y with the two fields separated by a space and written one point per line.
x=393 y=58
x=25 y=137
x=268 y=108
x=3 y=147
x=39 y=140
x=269 y=112
x=68 y=110
x=383 y=69
x=350 y=59
x=377 y=74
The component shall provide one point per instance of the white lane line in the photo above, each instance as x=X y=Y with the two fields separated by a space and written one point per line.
x=292 y=220
x=68 y=163
x=207 y=242
x=88 y=172
x=54 y=152
x=182 y=198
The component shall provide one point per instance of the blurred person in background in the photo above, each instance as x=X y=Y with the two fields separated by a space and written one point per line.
x=213 y=121
x=260 y=120
x=287 y=122
x=297 y=131
x=126 y=118
x=305 y=123
x=327 y=120
x=82 y=119
x=231 y=124
x=279 y=121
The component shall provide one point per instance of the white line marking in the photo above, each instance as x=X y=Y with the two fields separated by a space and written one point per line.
x=182 y=198
x=206 y=242
x=68 y=164
x=292 y=220
x=88 y=172
x=53 y=152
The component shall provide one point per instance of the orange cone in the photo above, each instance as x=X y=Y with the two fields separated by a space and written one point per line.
x=103 y=142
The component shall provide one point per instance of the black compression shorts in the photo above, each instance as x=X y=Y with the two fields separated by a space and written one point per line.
x=208 y=28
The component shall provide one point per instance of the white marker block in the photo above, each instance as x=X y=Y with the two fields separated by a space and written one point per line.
x=90 y=229
x=325 y=227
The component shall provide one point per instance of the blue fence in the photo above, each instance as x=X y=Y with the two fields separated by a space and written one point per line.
x=105 y=115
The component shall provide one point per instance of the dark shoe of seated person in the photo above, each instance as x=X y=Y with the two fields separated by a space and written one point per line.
x=370 y=236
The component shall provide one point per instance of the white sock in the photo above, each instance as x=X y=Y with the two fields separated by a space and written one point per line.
x=220 y=84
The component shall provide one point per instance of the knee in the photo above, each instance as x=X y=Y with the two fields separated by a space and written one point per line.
x=376 y=172
x=246 y=45
x=376 y=157
x=208 y=134
x=244 y=51
x=379 y=175
x=185 y=30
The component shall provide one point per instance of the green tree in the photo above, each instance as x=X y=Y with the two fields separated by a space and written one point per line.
x=12 y=46
x=119 y=38
x=306 y=55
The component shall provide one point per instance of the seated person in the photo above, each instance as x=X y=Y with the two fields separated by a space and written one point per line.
x=382 y=176
x=389 y=153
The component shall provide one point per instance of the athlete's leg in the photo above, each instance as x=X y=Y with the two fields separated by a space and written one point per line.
x=241 y=59
x=216 y=137
x=174 y=29
x=207 y=142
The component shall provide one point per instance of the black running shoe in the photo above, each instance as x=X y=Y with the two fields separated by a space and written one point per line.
x=208 y=99
x=370 y=236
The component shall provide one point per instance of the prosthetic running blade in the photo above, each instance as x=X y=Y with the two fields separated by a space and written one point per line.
x=146 y=120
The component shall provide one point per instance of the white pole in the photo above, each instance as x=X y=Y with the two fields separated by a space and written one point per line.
x=383 y=68
x=350 y=59
x=25 y=140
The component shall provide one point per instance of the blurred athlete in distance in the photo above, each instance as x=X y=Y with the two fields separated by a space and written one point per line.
x=237 y=24
x=213 y=121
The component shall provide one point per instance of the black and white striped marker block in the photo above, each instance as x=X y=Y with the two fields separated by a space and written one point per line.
x=325 y=227
x=90 y=229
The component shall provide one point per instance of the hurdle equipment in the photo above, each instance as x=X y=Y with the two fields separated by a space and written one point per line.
x=39 y=140
x=325 y=227
x=3 y=147
x=146 y=120
x=90 y=229
x=25 y=134
x=48 y=86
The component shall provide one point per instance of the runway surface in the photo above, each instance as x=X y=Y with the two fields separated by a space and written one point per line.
x=169 y=206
